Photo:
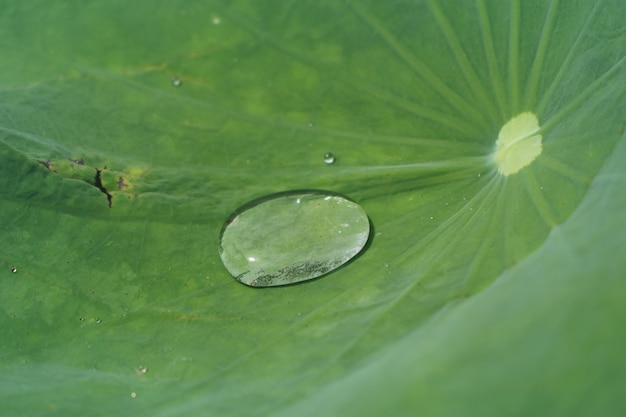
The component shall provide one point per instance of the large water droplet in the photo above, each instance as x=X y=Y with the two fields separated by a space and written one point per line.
x=291 y=237
x=329 y=158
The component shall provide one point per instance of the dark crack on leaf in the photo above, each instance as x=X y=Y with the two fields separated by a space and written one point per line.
x=68 y=168
x=48 y=164
x=98 y=184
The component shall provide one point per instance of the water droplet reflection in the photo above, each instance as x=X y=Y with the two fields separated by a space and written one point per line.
x=329 y=158
x=291 y=237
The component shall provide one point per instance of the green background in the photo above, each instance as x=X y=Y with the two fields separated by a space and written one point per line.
x=478 y=295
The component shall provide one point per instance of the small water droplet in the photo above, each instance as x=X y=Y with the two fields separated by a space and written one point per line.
x=216 y=20
x=142 y=370
x=14 y=270
x=81 y=318
x=329 y=158
x=98 y=321
x=431 y=217
x=176 y=82
x=292 y=237
x=479 y=174
x=133 y=394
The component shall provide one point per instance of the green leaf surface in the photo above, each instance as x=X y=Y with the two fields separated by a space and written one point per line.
x=129 y=131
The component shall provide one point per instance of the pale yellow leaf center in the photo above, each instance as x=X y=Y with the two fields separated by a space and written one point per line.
x=518 y=144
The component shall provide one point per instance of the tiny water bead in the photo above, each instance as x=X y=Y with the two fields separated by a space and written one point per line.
x=518 y=144
x=292 y=237
x=329 y=158
x=176 y=82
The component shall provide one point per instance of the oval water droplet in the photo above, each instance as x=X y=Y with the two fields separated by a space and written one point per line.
x=291 y=237
x=329 y=158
